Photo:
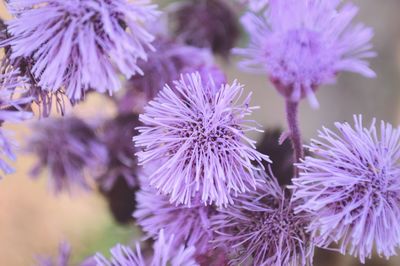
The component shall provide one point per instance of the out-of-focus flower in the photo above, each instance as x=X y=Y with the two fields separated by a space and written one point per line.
x=196 y=130
x=164 y=65
x=80 y=44
x=262 y=229
x=67 y=147
x=351 y=187
x=117 y=135
x=189 y=225
x=303 y=44
x=12 y=109
x=207 y=24
x=164 y=253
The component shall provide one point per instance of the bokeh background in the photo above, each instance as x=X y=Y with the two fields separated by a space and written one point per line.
x=34 y=221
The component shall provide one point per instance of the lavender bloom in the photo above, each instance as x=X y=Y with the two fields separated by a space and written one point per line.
x=262 y=229
x=189 y=225
x=164 y=254
x=351 y=187
x=196 y=130
x=80 y=44
x=67 y=147
x=116 y=133
x=207 y=24
x=163 y=66
x=303 y=44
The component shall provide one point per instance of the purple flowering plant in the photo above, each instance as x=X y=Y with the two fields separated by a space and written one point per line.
x=178 y=157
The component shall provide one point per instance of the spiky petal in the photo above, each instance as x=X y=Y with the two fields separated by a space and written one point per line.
x=80 y=44
x=351 y=187
x=196 y=130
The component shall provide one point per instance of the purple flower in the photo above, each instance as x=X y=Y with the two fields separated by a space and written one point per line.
x=117 y=135
x=303 y=44
x=351 y=187
x=189 y=225
x=67 y=147
x=80 y=44
x=207 y=24
x=163 y=66
x=12 y=109
x=164 y=253
x=262 y=229
x=196 y=131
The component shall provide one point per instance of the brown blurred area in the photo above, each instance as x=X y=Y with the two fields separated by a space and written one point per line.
x=34 y=221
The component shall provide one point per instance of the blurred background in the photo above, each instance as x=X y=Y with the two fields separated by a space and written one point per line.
x=34 y=221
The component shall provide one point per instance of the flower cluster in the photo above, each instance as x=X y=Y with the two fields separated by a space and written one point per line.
x=350 y=187
x=192 y=178
x=80 y=45
x=305 y=44
x=196 y=130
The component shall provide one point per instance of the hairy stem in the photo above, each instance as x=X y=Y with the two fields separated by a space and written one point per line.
x=295 y=136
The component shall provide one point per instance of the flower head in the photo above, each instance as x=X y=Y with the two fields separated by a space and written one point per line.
x=80 y=44
x=303 y=44
x=164 y=65
x=67 y=147
x=196 y=130
x=164 y=253
x=263 y=229
x=351 y=187
x=207 y=24
x=116 y=133
x=189 y=225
